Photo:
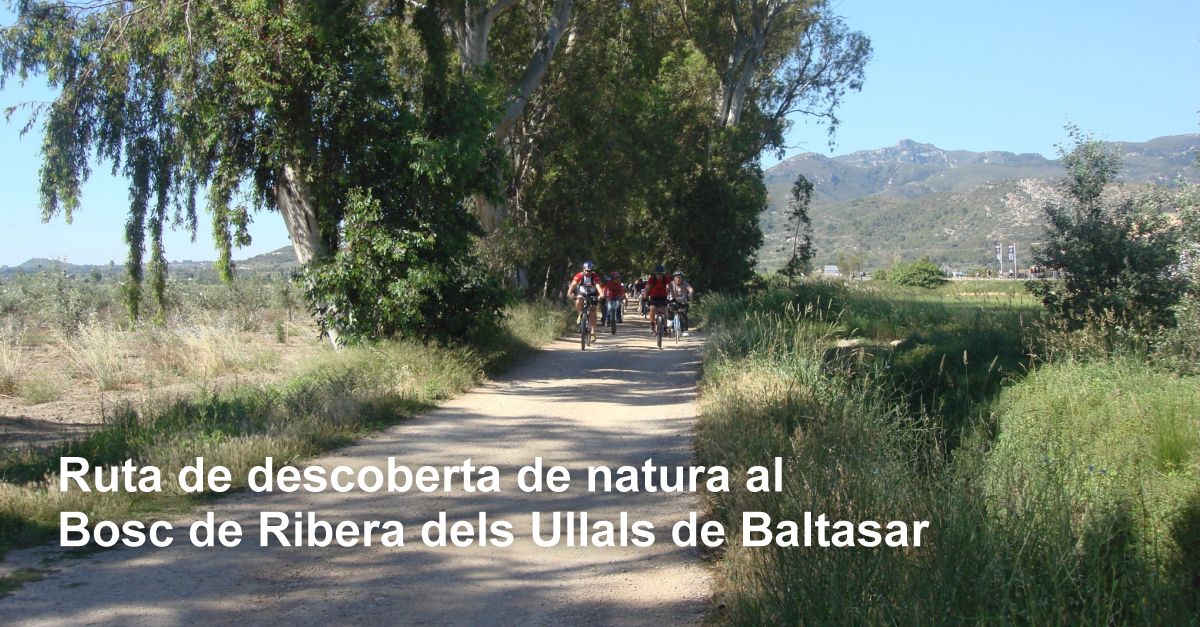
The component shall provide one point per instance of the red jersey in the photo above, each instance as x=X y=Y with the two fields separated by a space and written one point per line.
x=589 y=282
x=614 y=289
x=656 y=287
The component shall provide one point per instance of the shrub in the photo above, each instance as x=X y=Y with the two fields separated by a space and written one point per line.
x=38 y=390
x=390 y=281
x=1116 y=256
x=920 y=273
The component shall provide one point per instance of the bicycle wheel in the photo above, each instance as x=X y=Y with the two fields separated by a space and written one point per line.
x=678 y=327
x=659 y=328
x=612 y=318
x=583 y=331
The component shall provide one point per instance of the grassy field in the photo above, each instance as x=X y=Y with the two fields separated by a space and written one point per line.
x=229 y=404
x=1059 y=490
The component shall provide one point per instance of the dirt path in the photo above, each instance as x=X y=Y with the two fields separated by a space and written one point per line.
x=603 y=406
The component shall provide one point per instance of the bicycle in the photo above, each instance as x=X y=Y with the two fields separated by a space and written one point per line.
x=678 y=311
x=612 y=314
x=585 y=323
x=660 y=324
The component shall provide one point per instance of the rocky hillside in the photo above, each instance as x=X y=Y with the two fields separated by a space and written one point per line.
x=912 y=199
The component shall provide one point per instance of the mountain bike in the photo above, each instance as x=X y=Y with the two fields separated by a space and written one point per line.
x=660 y=324
x=585 y=323
x=612 y=314
x=677 y=310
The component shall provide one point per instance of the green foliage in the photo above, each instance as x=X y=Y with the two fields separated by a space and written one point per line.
x=800 y=230
x=1023 y=531
x=316 y=98
x=1115 y=437
x=1181 y=346
x=63 y=301
x=1117 y=258
x=181 y=98
x=920 y=273
x=388 y=281
x=628 y=163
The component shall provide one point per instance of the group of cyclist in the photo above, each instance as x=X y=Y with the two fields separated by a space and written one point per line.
x=656 y=293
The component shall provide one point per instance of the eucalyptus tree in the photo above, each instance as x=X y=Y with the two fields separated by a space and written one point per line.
x=472 y=22
x=252 y=104
x=777 y=58
x=800 y=230
x=288 y=106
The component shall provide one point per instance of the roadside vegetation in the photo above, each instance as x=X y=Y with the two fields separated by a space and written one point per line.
x=280 y=406
x=1051 y=438
x=66 y=337
x=1058 y=492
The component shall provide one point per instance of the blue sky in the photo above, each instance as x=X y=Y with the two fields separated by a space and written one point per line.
x=959 y=74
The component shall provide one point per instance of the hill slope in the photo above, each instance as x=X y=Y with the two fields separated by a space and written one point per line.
x=912 y=199
x=282 y=260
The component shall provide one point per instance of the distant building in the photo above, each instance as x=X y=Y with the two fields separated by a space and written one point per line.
x=831 y=271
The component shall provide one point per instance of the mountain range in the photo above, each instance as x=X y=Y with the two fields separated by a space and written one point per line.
x=902 y=202
x=282 y=260
x=915 y=200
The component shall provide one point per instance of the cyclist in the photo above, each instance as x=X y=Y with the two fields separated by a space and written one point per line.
x=639 y=288
x=588 y=284
x=655 y=293
x=613 y=290
x=679 y=291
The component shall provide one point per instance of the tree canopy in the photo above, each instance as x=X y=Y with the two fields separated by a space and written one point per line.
x=623 y=130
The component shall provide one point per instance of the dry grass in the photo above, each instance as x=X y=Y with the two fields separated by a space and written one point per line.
x=329 y=399
x=11 y=365
x=101 y=356
x=38 y=389
x=201 y=352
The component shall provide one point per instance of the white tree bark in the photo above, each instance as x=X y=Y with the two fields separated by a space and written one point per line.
x=295 y=203
x=299 y=211
x=539 y=62
x=751 y=33
x=472 y=29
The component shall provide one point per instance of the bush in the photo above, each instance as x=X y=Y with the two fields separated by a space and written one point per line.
x=1117 y=257
x=920 y=273
x=11 y=365
x=37 y=390
x=388 y=281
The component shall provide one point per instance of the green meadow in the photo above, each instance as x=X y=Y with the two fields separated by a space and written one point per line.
x=1062 y=487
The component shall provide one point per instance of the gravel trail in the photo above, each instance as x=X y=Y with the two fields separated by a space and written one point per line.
x=620 y=403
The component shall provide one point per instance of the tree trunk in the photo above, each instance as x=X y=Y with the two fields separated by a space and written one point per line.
x=299 y=211
x=471 y=32
x=538 y=64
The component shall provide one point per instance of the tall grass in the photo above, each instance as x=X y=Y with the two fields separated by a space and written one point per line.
x=100 y=356
x=1021 y=530
x=338 y=397
x=12 y=365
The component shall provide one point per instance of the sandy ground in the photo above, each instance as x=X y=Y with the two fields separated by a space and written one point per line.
x=620 y=403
